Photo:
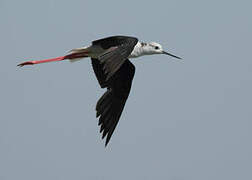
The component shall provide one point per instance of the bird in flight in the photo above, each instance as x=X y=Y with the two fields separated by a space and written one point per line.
x=113 y=70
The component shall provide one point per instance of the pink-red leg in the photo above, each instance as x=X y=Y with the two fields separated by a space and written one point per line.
x=69 y=56
x=42 y=61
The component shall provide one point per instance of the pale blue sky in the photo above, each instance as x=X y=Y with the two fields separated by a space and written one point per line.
x=184 y=120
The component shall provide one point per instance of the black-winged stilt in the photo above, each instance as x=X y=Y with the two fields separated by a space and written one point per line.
x=113 y=70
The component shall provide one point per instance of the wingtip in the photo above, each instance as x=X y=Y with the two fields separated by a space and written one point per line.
x=106 y=143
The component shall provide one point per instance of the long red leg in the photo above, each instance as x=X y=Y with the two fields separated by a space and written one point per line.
x=42 y=61
x=69 y=56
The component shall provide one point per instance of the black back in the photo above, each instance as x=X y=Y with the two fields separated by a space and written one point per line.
x=111 y=41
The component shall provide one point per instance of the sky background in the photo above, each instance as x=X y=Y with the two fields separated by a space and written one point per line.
x=184 y=120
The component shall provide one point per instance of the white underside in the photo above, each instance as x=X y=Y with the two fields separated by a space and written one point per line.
x=75 y=60
x=96 y=51
x=92 y=51
x=137 y=51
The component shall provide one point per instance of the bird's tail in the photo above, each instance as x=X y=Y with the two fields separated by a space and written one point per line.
x=77 y=52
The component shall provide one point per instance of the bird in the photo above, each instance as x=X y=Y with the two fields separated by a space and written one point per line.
x=113 y=70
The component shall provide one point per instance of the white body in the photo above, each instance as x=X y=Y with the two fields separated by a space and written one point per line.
x=140 y=49
x=137 y=51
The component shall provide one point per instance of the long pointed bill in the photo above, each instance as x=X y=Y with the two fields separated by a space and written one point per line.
x=171 y=55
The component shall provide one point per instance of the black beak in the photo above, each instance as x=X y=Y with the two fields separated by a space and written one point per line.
x=171 y=55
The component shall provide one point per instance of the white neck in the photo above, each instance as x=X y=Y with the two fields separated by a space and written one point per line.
x=137 y=51
x=142 y=49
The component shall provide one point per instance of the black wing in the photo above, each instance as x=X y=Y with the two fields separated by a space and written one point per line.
x=99 y=72
x=118 y=50
x=110 y=106
x=112 y=41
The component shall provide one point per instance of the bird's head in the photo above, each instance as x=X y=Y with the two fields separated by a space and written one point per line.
x=155 y=48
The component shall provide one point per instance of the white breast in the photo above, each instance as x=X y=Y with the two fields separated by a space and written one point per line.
x=137 y=51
